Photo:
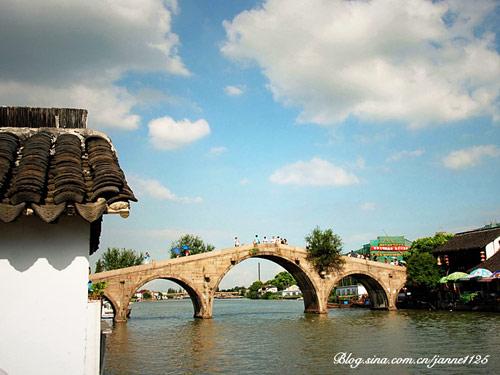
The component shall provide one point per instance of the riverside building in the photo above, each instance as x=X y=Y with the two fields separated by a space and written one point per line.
x=386 y=249
x=467 y=250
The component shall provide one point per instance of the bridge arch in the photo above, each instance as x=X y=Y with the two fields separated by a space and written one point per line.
x=305 y=281
x=114 y=304
x=199 y=306
x=379 y=298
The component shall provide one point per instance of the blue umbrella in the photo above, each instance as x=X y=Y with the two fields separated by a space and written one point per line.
x=481 y=272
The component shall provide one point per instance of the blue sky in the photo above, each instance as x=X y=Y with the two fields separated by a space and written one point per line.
x=273 y=117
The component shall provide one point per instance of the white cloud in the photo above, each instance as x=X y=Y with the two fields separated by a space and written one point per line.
x=244 y=181
x=167 y=134
x=234 y=90
x=108 y=105
x=375 y=60
x=316 y=172
x=157 y=190
x=405 y=154
x=469 y=157
x=368 y=206
x=216 y=151
x=149 y=98
x=71 y=53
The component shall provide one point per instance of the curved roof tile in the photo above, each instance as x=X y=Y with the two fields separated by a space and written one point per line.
x=50 y=170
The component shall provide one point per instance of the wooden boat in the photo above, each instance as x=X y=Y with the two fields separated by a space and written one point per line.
x=332 y=305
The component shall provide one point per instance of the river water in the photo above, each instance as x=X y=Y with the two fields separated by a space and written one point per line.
x=276 y=337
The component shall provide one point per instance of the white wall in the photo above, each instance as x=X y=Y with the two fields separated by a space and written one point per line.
x=43 y=284
x=93 y=339
x=492 y=248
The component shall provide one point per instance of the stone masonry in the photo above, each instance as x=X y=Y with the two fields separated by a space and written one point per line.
x=201 y=274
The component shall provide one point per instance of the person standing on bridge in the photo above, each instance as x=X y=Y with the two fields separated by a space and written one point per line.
x=256 y=240
x=236 y=242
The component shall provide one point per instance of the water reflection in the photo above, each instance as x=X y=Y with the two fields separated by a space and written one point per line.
x=276 y=337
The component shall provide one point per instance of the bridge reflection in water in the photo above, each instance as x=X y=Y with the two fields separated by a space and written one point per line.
x=273 y=337
x=201 y=274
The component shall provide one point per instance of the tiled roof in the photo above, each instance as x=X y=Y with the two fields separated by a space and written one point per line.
x=475 y=239
x=51 y=171
x=492 y=263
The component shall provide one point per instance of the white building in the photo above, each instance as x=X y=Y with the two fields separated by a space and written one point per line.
x=138 y=295
x=291 y=291
x=351 y=290
x=49 y=224
x=268 y=289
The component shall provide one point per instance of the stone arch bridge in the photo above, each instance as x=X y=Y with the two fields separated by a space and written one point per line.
x=201 y=274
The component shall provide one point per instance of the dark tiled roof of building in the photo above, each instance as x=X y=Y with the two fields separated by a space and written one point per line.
x=492 y=263
x=475 y=239
x=51 y=171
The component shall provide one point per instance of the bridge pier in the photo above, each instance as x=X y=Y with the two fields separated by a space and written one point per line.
x=316 y=310
x=204 y=309
x=393 y=297
x=121 y=315
x=204 y=313
x=316 y=301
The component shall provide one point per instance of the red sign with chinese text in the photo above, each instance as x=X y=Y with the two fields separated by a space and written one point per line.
x=390 y=248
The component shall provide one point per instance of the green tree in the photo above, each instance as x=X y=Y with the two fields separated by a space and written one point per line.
x=428 y=244
x=283 y=280
x=421 y=265
x=269 y=295
x=195 y=244
x=422 y=271
x=97 y=290
x=324 y=250
x=99 y=266
x=253 y=290
x=114 y=258
x=147 y=294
